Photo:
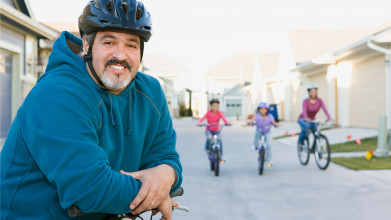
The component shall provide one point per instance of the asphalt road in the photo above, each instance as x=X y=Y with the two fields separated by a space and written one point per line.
x=287 y=190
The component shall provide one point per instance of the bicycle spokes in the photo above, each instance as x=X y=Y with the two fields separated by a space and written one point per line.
x=322 y=152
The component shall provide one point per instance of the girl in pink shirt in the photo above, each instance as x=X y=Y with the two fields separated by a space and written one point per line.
x=213 y=117
x=311 y=107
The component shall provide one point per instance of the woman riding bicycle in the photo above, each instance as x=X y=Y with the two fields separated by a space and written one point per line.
x=311 y=107
x=213 y=117
x=264 y=122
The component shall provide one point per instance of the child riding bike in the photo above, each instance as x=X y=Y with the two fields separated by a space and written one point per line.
x=213 y=117
x=264 y=122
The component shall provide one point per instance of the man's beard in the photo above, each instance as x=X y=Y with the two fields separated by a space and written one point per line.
x=116 y=83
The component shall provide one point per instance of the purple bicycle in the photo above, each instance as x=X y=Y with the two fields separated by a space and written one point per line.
x=214 y=150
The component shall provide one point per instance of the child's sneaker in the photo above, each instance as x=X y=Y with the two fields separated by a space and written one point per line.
x=269 y=164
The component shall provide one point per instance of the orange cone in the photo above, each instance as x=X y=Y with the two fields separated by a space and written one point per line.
x=286 y=133
x=349 y=137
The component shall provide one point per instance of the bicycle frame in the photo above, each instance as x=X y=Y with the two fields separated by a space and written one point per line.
x=316 y=134
x=214 y=152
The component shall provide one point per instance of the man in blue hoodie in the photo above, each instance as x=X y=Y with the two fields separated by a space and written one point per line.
x=93 y=132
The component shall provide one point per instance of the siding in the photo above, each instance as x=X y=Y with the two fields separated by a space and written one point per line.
x=296 y=102
x=367 y=94
x=320 y=80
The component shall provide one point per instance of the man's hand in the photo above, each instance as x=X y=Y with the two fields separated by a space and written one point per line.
x=165 y=208
x=156 y=184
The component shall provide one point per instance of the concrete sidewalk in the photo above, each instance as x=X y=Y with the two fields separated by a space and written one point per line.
x=335 y=135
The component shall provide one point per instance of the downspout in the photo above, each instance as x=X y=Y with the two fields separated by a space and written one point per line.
x=387 y=52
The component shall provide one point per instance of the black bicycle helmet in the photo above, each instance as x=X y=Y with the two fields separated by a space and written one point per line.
x=214 y=100
x=128 y=16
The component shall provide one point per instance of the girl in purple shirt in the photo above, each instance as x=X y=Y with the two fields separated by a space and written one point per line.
x=264 y=122
x=311 y=106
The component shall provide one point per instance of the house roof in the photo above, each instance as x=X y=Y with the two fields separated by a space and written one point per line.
x=72 y=27
x=163 y=66
x=358 y=50
x=242 y=66
x=307 y=44
x=19 y=15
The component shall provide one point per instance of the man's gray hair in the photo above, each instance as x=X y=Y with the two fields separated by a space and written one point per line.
x=90 y=38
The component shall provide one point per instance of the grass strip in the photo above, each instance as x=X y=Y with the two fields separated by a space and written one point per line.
x=367 y=144
x=360 y=163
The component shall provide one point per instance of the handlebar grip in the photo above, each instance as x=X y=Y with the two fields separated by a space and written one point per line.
x=178 y=192
x=74 y=211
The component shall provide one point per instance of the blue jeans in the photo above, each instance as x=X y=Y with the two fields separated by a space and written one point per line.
x=305 y=127
x=209 y=136
x=258 y=135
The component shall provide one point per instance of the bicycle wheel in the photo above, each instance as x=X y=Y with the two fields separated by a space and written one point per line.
x=261 y=160
x=322 y=152
x=303 y=152
x=217 y=162
x=211 y=159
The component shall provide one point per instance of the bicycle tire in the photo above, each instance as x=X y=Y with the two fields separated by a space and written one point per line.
x=211 y=160
x=304 y=152
x=261 y=160
x=217 y=162
x=322 y=152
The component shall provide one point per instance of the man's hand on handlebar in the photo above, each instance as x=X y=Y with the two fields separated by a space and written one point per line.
x=165 y=208
x=156 y=184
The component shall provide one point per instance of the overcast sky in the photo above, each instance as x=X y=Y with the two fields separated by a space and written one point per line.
x=201 y=33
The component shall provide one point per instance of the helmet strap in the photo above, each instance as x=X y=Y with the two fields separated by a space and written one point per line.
x=141 y=49
x=88 y=59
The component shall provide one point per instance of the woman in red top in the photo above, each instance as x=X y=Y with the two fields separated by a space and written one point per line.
x=213 y=117
x=311 y=107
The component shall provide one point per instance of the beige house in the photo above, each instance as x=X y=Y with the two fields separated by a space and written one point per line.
x=230 y=81
x=354 y=80
x=173 y=79
x=20 y=49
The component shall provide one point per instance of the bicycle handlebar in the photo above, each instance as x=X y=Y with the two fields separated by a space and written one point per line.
x=74 y=211
x=213 y=125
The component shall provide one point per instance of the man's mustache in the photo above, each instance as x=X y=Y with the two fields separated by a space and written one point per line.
x=115 y=61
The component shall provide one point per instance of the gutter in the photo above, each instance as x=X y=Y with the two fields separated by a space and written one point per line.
x=376 y=47
x=27 y=22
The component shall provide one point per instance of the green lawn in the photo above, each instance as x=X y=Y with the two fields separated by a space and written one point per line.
x=367 y=144
x=360 y=163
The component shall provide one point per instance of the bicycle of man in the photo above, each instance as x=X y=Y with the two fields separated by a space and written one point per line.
x=74 y=211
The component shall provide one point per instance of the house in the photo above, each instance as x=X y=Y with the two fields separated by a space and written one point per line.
x=173 y=79
x=21 y=36
x=230 y=81
x=354 y=80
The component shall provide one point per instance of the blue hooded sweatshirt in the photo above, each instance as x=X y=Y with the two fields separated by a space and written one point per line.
x=70 y=139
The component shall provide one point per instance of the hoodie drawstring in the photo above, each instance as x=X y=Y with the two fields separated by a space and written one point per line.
x=111 y=111
x=130 y=113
